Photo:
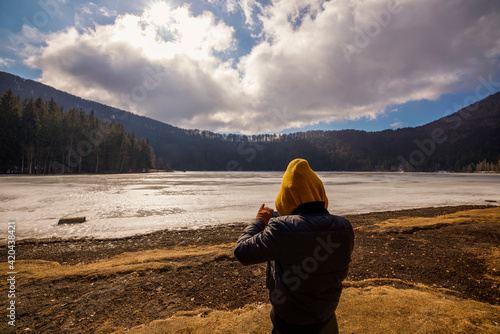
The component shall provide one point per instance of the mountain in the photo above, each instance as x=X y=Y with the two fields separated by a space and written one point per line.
x=467 y=140
x=173 y=146
x=142 y=126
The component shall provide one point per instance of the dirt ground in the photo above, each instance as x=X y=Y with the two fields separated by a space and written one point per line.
x=103 y=286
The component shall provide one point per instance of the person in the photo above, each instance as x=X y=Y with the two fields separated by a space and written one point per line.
x=307 y=250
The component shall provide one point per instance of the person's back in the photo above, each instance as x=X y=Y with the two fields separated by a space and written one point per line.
x=308 y=252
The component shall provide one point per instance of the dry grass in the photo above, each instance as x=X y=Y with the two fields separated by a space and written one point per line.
x=250 y=319
x=492 y=259
x=480 y=216
x=363 y=308
x=381 y=309
x=389 y=310
x=122 y=263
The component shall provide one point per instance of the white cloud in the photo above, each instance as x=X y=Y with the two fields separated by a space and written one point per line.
x=397 y=124
x=410 y=51
x=27 y=42
x=86 y=14
x=229 y=6
x=6 y=62
x=249 y=9
x=91 y=8
x=319 y=61
x=160 y=65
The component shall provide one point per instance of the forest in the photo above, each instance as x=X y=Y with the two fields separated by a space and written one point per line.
x=465 y=141
x=39 y=137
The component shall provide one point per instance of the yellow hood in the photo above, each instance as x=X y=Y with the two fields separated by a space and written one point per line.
x=299 y=185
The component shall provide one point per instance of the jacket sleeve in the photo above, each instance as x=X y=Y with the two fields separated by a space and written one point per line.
x=257 y=243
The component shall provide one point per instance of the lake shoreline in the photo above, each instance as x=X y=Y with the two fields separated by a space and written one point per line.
x=158 y=235
x=108 y=285
x=126 y=205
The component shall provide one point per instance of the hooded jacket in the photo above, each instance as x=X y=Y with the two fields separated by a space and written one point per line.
x=299 y=185
x=307 y=249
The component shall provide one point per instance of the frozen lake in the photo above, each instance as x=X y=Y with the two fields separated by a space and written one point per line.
x=127 y=204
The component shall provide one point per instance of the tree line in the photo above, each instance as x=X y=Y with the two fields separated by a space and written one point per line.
x=465 y=149
x=465 y=141
x=38 y=137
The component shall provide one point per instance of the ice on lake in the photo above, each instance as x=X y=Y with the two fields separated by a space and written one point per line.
x=126 y=204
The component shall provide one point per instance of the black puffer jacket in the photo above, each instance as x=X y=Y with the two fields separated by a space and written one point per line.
x=308 y=255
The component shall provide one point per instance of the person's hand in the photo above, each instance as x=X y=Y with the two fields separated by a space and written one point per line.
x=264 y=214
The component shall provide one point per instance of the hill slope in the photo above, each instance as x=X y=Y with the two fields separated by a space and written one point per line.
x=464 y=141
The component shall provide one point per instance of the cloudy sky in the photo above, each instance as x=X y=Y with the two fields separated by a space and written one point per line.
x=254 y=66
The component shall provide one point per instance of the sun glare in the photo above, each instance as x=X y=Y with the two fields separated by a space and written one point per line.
x=160 y=12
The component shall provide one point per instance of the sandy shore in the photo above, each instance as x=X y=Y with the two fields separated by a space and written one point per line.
x=428 y=270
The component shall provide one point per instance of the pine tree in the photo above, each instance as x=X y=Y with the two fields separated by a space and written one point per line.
x=30 y=124
x=10 y=123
